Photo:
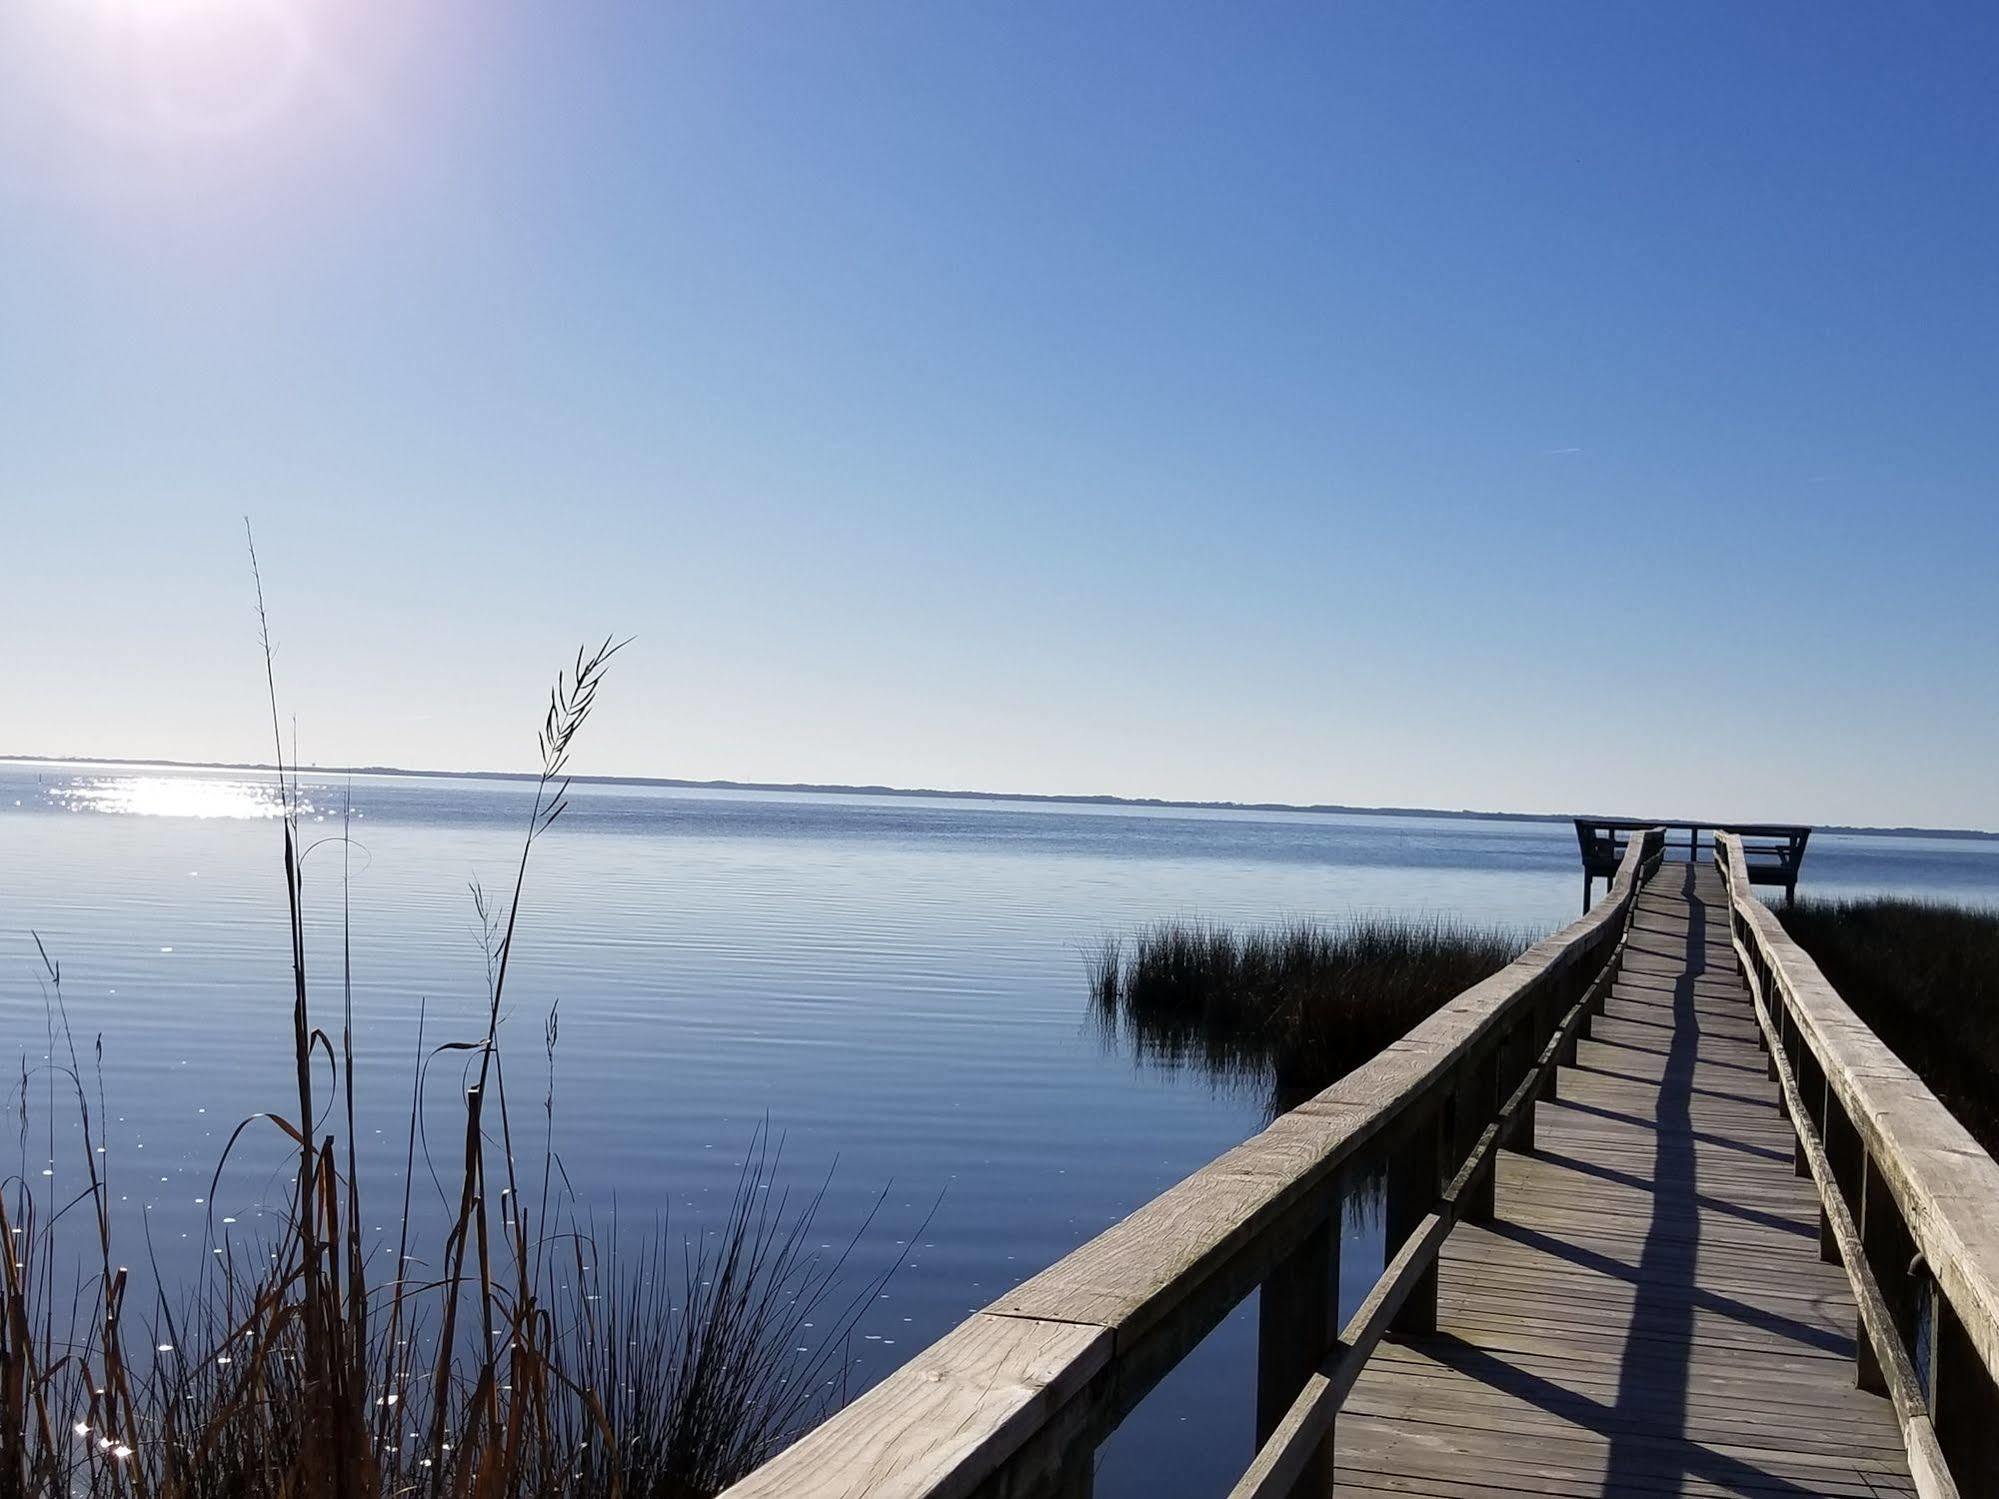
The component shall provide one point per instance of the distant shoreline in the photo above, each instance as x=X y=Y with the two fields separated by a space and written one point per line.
x=1059 y=798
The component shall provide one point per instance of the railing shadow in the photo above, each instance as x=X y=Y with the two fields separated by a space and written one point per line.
x=1645 y=1428
x=1702 y=1137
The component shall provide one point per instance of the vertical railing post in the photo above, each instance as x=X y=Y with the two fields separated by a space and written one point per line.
x=1811 y=1089
x=1517 y=1054
x=1592 y=971
x=1843 y=1154
x=1613 y=967
x=1297 y=1321
x=1884 y=1239
x=1412 y=1189
x=1478 y=1101
x=1823 y=1113
x=1573 y=985
x=1547 y=1011
x=1963 y=1401
x=1780 y=1020
x=1596 y=971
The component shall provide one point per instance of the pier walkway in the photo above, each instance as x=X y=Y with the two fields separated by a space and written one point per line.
x=1647 y=1311
x=1661 y=1216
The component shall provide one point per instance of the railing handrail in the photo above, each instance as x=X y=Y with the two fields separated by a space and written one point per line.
x=1032 y=1383
x=1946 y=1184
x=1943 y=1184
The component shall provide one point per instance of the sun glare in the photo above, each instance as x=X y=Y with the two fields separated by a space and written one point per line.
x=163 y=10
x=168 y=796
x=176 y=67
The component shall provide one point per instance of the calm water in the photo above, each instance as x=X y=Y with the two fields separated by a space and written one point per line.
x=895 y=984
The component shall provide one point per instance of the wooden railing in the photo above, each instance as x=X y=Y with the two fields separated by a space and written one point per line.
x=1909 y=1203
x=1015 y=1400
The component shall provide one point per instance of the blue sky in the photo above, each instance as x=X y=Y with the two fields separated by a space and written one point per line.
x=1530 y=406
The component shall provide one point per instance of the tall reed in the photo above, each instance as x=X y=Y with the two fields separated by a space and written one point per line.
x=535 y=1359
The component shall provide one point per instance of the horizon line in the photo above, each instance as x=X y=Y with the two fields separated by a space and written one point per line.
x=829 y=788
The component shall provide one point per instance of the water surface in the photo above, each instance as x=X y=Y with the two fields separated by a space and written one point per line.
x=895 y=984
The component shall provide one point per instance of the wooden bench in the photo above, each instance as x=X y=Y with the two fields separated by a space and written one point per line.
x=1774 y=851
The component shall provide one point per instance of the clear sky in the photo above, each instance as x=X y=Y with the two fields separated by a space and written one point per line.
x=1525 y=406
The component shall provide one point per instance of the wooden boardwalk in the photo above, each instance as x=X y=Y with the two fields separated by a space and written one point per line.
x=1648 y=1313
x=1603 y=1272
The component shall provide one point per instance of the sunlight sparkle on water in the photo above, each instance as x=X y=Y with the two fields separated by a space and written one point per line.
x=170 y=796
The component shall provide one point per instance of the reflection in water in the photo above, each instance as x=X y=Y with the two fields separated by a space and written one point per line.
x=1294 y=1006
x=171 y=796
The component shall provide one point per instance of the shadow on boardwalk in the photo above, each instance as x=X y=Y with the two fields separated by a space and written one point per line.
x=1648 y=1314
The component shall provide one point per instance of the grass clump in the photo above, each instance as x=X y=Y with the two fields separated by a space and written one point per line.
x=1924 y=976
x=1299 y=1004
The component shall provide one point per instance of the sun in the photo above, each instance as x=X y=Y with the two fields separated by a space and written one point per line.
x=157 y=69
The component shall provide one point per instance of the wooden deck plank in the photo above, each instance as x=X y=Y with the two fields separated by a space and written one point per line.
x=1647 y=1314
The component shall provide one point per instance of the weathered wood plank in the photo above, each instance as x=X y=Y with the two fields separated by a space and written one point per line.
x=944 y=1421
x=1647 y=1313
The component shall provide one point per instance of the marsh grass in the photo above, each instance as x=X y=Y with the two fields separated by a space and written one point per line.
x=528 y=1357
x=1924 y=976
x=1294 y=1006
